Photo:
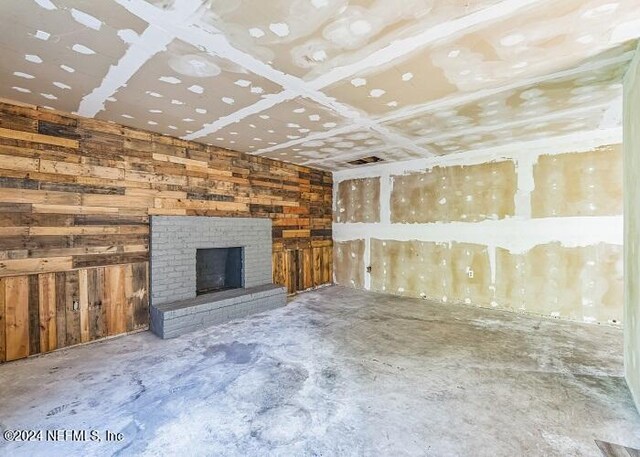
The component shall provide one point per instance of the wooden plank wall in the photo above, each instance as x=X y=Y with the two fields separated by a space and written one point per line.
x=75 y=199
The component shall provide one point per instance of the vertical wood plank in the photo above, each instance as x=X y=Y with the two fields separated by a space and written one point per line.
x=317 y=266
x=293 y=270
x=300 y=270
x=97 y=308
x=72 y=305
x=307 y=270
x=278 y=266
x=128 y=294
x=121 y=302
x=114 y=299
x=286 y=271
x=34 y=315
x=17 y=317
x=327 y=268
x=275 y=268
x=3 y=345
x=47 y=303
x=83 y=291
x=61 y=310
x=140 y=295
x=329 y=265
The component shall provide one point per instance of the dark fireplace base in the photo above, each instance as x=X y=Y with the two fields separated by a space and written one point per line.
x=174 y=319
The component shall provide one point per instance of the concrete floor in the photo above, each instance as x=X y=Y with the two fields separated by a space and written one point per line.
x=336 y=372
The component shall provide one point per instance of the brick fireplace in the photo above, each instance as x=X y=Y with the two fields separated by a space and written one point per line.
x=207 y=270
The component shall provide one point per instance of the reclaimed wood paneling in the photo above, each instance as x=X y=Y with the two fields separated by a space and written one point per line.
x=3 y=321
x=16 y=298
x=34 y=315
x=43 y=312
x=47 y=307
x=75 y=199
x=301 y=269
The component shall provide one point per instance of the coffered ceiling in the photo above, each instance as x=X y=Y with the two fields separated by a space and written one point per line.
x=325 y=82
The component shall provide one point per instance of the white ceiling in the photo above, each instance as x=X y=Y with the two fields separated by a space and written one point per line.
x=324 y=82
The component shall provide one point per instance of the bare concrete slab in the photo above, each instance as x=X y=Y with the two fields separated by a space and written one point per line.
x=336 y=372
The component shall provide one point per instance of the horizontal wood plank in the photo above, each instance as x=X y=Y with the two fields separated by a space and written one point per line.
x=38 y=138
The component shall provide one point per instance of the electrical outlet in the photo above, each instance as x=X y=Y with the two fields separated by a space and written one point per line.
x=470 y=273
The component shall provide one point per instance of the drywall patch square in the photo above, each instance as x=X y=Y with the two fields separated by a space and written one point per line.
x=435 y=271
x=580 y=283
x=456 y=193
x=358 y=200
x=348 y=257
x=578 y=183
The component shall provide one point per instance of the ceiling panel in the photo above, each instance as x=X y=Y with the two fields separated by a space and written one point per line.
x=325 y=82
x=51 y=57
x=526 y=103
x=547 y=37
x=306 y=38
x=474 y=140
x=286 y=121
x=180 y=90
x=356 y=142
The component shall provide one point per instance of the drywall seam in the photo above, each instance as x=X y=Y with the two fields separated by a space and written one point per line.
x=170 y=21
x=403 y=141
x=348 y=155
x=385 y=198
x=366 y=262
x=515 y=234
x=316 y=136
x=153 y=40
x=574 y=142
x=218 y=44
x=493 y=266
x=457 y=101
x=262 y=105
x=405 y=46
x=525 y=184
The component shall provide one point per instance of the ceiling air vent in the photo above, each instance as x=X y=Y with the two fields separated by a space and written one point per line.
x=366 y=160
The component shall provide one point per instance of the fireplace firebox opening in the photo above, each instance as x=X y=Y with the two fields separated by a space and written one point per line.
x=218 y=269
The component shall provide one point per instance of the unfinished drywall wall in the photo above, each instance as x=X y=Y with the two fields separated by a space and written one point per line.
x=350 y=256
x=458 y=193
x=358 y=201
x=632 y=227
x=532 y=227
x=437 y=271
x=579 y=283
x=578 y=184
